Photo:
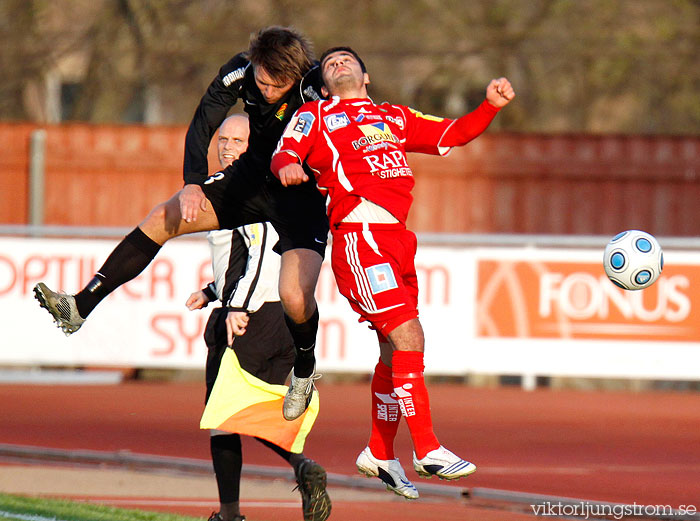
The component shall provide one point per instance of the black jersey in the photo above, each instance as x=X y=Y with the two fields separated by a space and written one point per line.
x=267 y=121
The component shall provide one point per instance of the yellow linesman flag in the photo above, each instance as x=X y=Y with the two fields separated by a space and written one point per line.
x=245 y=404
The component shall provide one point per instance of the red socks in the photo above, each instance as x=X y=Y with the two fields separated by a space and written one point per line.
x=400 y=391
x=385 y=413
x=412 y=395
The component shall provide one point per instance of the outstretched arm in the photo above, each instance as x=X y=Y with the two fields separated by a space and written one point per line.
x=499 y=93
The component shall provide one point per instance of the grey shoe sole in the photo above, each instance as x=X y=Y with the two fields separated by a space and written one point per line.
x=41 y=293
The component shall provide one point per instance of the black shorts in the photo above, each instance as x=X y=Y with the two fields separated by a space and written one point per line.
x=240 y=195
x=265 y=351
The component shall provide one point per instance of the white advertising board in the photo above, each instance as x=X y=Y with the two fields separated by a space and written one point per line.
x=500 y=310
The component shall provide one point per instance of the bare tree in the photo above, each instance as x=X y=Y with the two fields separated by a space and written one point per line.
x=578 y=66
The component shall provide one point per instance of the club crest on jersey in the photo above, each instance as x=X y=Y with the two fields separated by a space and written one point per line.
x=381 y=278
x=374 y=133
x=336 y=121
x=280 y=113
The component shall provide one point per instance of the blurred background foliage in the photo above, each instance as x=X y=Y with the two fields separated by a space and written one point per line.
x=595 y=66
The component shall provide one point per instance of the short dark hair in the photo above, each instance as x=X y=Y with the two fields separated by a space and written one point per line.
x=284 y=53
x=344 y=49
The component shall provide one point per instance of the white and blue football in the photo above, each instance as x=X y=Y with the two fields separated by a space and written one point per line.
x=633 y=260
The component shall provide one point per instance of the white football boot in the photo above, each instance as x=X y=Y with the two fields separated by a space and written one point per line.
x=389 y=471
x=443 y=464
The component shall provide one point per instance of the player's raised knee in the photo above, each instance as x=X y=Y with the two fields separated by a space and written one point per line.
x=164 y=221
x=295 y=304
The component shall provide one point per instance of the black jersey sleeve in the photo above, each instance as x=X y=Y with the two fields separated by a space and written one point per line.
x=221 y=95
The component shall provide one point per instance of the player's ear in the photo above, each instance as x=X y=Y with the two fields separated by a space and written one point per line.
x=366 y=79
x=325 y=92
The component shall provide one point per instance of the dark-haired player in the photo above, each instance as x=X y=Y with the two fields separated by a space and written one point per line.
x=357 y=152
x=272 y=79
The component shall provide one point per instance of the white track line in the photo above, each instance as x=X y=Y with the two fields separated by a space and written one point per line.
x=187 y=502
x=26 y=517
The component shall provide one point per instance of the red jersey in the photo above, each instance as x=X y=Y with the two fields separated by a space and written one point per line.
x=357 y=149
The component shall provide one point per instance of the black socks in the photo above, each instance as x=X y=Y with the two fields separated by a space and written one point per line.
x=292 y=458
x=126 y=262
x=227 y=457
x=304 y=336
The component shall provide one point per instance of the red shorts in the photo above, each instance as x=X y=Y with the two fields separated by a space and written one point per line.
x=374 y=269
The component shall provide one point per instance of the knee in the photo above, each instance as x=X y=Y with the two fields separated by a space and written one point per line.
x=297 y=304
x=408 y=337
x=415 y=346
x=163 y=221
x=156 y=216
x=293 y=303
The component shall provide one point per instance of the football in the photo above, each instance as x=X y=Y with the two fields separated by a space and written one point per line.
x=633 y=260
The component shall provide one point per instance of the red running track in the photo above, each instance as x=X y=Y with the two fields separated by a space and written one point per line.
x=639 y=448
